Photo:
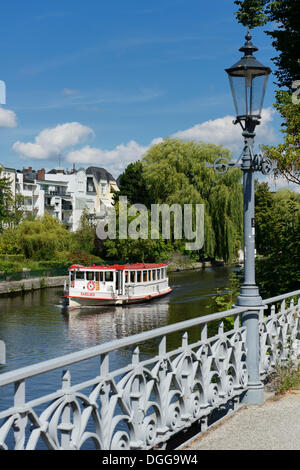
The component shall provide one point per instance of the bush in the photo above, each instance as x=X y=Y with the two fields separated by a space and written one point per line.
x=12 y=258
x=84 y=258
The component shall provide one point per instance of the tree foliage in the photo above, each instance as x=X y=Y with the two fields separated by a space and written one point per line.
x=131 y=183
x=175 y=172
x=287 y=154
x=43 y=238
x=6 y=201
x=136 y=250
x=283 y=16
x=277 y=240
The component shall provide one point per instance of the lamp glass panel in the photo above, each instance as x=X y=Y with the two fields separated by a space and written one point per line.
x=259 y=83
x=237 y=84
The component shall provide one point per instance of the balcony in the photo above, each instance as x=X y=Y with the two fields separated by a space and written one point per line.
x=57 y=193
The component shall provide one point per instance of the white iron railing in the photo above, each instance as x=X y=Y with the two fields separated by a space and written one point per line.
x=143 y=404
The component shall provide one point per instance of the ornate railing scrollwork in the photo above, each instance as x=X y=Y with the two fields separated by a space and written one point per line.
x=143 y=404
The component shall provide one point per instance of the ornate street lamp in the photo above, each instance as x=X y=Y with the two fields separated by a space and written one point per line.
x=248 y=80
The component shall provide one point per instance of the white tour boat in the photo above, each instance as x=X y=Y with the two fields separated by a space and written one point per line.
x=117 y=284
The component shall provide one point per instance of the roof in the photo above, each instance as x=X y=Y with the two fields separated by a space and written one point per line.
x=99 y=173
x=56 y=171
x=134 y=266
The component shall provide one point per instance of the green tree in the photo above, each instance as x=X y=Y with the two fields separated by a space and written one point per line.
x=264 y=207
x=43 y=238
x=136 y=250
x=6 y=201
x=132 y=184
x=175 y=172
x=278 y=228
x=284 y=17
x=285 y=33
x=287 y=153
x=16 y=212
x=84 y=237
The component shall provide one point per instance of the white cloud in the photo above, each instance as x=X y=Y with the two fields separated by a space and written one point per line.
x=52 y=141
x=221 y=131
x=7 y=118
x=280 y=182
x=115 y=160
x=55 y=141
x=69 y=91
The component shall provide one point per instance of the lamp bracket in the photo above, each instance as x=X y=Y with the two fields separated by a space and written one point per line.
x=258 y=162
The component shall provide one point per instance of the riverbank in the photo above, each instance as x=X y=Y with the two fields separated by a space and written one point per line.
x=25 y=285
x=176 y=267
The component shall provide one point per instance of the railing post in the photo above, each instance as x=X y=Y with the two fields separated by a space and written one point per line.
x=21 y=420
x=2 y=352
x=66 y=426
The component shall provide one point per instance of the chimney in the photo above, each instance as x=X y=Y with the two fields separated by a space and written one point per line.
x=41 y=174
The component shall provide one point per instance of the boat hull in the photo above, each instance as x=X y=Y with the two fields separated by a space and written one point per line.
x=79 y=302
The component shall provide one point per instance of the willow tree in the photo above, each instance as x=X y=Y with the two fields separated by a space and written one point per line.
x=43 y=238
x=175 y=172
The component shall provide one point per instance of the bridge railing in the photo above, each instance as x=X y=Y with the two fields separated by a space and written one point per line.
x=196 y=367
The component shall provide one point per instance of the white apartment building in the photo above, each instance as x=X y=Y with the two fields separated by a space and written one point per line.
x=33 y=197
x=66 y=195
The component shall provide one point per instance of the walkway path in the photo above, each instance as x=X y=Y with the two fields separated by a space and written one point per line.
x=272 y=426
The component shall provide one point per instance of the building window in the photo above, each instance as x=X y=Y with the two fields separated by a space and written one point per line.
x=103 y=188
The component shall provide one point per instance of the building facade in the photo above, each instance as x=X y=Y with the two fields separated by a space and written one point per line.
x=65 y=195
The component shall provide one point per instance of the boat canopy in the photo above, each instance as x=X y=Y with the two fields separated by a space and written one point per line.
x=136 y=266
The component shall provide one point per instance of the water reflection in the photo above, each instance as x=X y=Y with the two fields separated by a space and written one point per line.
x=99 y=325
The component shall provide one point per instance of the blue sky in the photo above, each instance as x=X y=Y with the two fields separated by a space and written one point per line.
x=97 y=82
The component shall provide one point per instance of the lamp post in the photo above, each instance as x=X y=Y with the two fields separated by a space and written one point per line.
x=248 y=80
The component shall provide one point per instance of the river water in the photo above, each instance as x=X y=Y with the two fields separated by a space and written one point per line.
x=35 y=326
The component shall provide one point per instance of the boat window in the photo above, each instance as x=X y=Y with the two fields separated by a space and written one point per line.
x=89 y=276
x=132 y=276
x=145 y=277
x=139 y=276
x=158 y=274
x=101 y=273
x=80 y=275
x=109 y=276
x=154 y=275
x=163 y=273
x=72 y=277
x=149 y=275
x=126 y=277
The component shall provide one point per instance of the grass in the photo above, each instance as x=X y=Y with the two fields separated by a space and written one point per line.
x=286 y=378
